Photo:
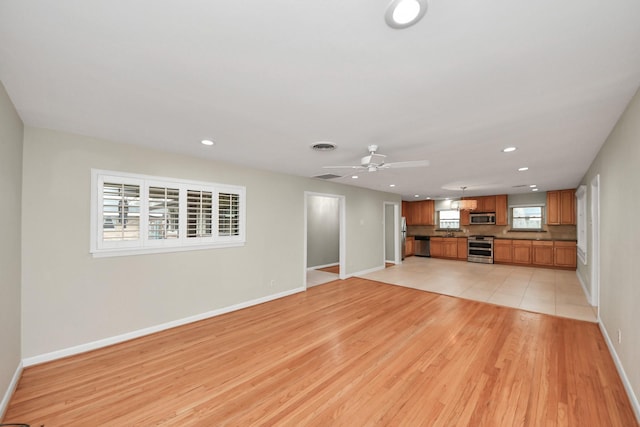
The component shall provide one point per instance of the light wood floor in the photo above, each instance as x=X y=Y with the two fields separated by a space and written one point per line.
x=347 y=353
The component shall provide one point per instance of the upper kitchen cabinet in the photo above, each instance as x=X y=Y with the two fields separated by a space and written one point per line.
x=419 y=213
x=485 y=203
x=501 y=211
x=561 y=207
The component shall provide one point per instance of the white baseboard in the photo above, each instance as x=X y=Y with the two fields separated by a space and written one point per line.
x=12 y=387
x=71 y=351
x=363 y=272
x=623 y=376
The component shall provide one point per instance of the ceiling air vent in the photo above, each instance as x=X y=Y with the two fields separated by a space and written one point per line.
x=327 y=176
x=323 y=146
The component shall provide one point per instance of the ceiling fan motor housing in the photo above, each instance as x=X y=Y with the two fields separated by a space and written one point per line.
x=373 y=160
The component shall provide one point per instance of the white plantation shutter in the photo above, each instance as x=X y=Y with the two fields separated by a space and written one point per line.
x=164 y=213
x=228 y=214
x=120 y=212
x=136 y=214
x=199 y=213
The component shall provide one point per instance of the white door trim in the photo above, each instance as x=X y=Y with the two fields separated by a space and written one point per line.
x=397 y=252
x=595 y=242
x=342 y=226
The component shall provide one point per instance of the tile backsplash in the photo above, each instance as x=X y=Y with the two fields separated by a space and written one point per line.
x=549 y=232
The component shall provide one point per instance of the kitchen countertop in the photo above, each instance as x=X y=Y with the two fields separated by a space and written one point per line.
x=501 y=238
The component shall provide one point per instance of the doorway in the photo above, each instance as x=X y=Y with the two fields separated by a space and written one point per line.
x=324 y=257
x=595 y=242
x=392 y=244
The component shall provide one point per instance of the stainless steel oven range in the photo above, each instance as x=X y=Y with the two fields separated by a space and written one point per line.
x=480 y=249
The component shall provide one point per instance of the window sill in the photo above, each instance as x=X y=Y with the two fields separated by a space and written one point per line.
x=107 y=253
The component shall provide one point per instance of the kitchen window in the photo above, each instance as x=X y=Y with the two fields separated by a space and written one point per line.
x=449 y=219
x=138 y=214
x=526 y=218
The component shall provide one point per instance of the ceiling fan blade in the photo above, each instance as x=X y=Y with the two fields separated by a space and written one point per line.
x=342 y=167
x=409 y=164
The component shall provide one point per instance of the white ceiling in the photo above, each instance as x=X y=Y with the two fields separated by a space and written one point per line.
x=266 y=79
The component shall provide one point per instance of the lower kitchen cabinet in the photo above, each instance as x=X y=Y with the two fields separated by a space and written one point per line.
x=521 y=251
x=437 y=247
x=542 y=252
x=565 y=254
x=539 y=253
x=502 y=251
x=462 y=248
x=449 y=247
x=409 y=246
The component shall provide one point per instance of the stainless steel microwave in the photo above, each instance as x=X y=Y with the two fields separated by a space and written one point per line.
x=482 y=218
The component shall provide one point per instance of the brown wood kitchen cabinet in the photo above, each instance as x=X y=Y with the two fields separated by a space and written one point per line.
x=409 y=249
x=565 y=254
x=462 y=248
x=502 y=213
x=484 y=203
x=521 y=251
x=542 y=252
x=419 y=213
x=464 y=218
x=502 y=251
x=561 y=207
x=436 y=247
x=450 y=247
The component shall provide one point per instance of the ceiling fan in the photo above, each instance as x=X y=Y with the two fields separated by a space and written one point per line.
x=374 y=162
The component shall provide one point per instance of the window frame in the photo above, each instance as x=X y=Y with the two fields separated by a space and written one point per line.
x=440 y=227
x=146 y=245
x=542 y=217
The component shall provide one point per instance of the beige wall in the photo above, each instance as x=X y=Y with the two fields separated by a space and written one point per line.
x=617 y=163
x=10 y=216
x=70 y=298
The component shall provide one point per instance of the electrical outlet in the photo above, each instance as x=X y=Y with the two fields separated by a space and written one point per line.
x=619 y=336
x=272 y=283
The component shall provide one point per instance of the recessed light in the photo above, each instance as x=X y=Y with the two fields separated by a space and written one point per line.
x=523 y=169
x=354 y=176
x=532 y=186
x=509 y=149
x=416 y=195
x=428 y=198
x=207 y=142
x=392 y=185
x=404 y=13
x=534 y=189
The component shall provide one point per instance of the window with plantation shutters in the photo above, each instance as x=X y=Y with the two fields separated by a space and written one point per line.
x=137 y=214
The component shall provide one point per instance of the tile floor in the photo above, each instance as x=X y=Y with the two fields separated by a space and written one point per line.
x=541 y=290
x=318 y=277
